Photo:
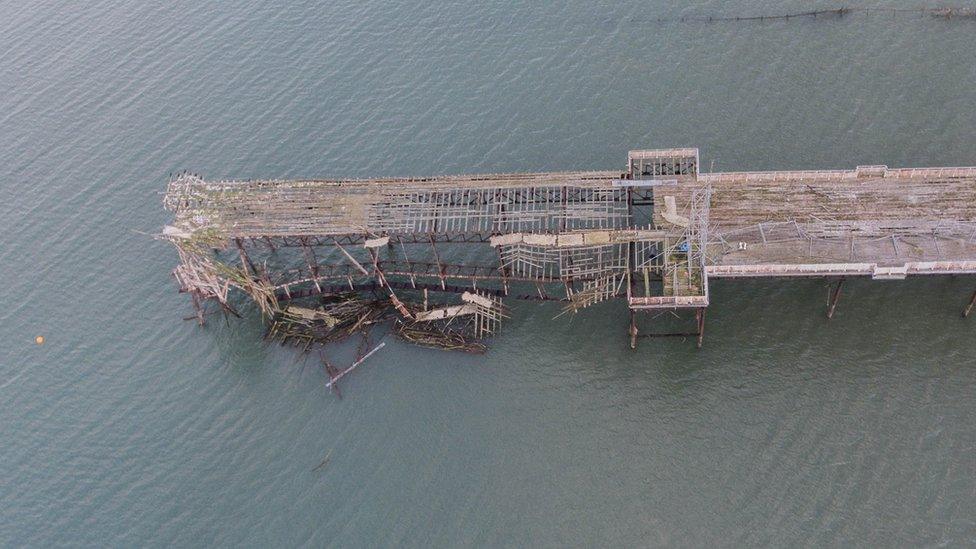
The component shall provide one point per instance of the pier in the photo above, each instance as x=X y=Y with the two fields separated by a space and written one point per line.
x=440 y=256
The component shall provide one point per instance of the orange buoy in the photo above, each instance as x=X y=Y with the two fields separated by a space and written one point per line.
x=39 y=340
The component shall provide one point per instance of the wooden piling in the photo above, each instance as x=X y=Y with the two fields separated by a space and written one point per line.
x=969 y=308
x=633 y=329
x=835 y=296
x=700 y=316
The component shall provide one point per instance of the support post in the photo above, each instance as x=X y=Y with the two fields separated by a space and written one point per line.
x=380 y=277
x=312 y=262
x=833 y=299
x=969 y=308
x=700 y=316
x=245 y=259
x=503 y=269
x=413 y=280
x=197 y=307
x=437 y=258
x=542 y=293
x=633 y=329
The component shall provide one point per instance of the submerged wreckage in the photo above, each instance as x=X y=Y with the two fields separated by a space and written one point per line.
x=437 y=256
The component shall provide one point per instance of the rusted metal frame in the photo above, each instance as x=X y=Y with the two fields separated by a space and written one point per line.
x=446 y=270
x=374 y=286
x=459 y=237
x=326 y=272
x=417 y=270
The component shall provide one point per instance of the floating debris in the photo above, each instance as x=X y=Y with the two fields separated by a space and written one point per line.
x=324 y=462
x=942 y=13
x=426 y=334
x=334 y=320
x=338 y=375
x=450 y=327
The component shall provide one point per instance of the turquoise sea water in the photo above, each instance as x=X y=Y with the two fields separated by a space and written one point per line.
x=130 y=427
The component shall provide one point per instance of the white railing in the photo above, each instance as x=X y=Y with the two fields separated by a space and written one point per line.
x=889 y=173
x=840 y=269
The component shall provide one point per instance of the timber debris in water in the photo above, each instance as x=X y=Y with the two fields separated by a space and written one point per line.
x=453 y=327
x=333 y=320
x=324 y=462
x=437 y=338
x=334 y=378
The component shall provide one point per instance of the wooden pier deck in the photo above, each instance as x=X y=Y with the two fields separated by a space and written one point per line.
x=839 y=223
x=652 y=234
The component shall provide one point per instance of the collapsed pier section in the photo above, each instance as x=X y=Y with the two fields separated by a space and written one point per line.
x=443 y=253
